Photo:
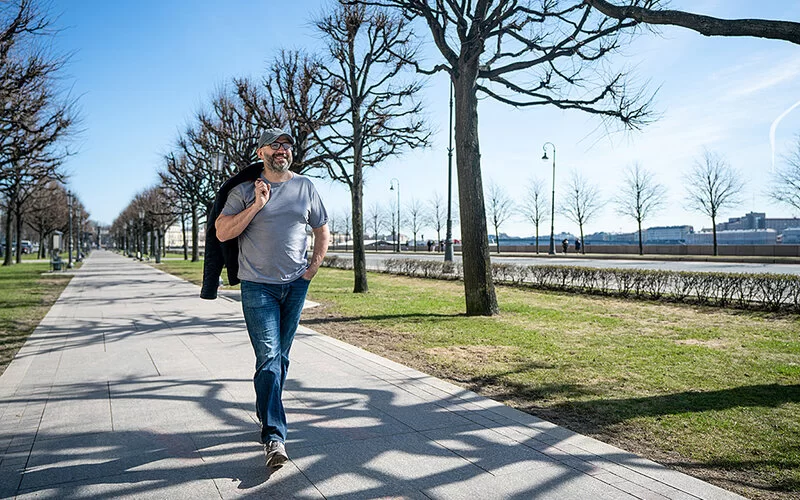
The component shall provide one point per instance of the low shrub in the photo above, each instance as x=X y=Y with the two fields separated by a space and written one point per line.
x=769 y=292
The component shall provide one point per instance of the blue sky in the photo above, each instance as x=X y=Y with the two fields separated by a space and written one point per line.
x=143 y=68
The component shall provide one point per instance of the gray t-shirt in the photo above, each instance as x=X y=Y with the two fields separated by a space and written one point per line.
x=272 y=248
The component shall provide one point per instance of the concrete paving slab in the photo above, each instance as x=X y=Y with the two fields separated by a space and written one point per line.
x=133 y=387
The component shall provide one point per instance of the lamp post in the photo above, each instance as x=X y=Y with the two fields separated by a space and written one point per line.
x=219 y=160
x=391 y=188
x=448 y=238
x=125 y=239
x=69 y=241
x=552 y=249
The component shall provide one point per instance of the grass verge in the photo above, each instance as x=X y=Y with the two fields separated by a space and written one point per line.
x=26 y=295
x=714 y=393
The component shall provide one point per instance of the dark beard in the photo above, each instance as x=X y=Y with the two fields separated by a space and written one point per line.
x=275 y=167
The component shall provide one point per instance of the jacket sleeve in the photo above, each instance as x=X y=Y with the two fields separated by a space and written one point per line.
x=223 y=254
x=214 y=258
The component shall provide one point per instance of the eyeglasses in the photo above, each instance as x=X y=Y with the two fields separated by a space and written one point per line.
x=278 y=145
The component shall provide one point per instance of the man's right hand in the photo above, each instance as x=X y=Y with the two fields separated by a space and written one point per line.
x=262 y=193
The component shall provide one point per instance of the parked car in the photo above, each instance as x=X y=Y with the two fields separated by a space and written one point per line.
x=26 y=246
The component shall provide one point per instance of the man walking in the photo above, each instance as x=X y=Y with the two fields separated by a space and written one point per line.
x=269 y=218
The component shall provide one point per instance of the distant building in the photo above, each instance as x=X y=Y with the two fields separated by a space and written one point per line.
x=666 y=235
x=791 y=236
x=173 y=237
x=758 y=220
x=603 y=238
x=753 y=220
x=781 y=225
x=735 y=237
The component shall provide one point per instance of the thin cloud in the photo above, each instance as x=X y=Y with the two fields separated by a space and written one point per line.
x=774 y=127
x=764 y=79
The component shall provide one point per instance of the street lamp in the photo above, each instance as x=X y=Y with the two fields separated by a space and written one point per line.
x=391 y=188
x=448 y=238
x=219 y=167
x=69 y=241
x=552 y=250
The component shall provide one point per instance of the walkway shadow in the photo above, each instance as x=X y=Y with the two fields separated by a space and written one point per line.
x=336 y=434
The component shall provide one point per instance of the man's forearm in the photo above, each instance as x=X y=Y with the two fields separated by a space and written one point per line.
x=321 y=241
x=231 y=226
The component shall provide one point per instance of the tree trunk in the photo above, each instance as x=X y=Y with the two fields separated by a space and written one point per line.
x=714 y=231
x=641 y=248
x=583 y=247
x=537 y=239
x=195 y=234
x=478 y=285
x=7 y=257
x=183 y=233
x=158 y=246
x=497 y=240
x=359 y=252
x=18 y=232
x=357 y=200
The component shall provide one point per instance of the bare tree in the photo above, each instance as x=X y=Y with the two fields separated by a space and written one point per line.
x=292 y=96
x=436 y=216
x=711 y=186
x=35 y=117
x=639 y=197
x=187 y=181
x=416 y=217
x=347 y=219
x=642 y=11
x=785 y=182
x=46 y=212
x=580 y=203
x=534 y=207
x=377 y=218
x=227 y=128
x=368 y=51
x=159 y=212
x=522 y=56
x=333 y=226
x=500 y=208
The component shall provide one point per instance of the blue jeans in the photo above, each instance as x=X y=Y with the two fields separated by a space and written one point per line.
x=272 y=313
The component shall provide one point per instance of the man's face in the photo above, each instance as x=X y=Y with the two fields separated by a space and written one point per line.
x=277 y=160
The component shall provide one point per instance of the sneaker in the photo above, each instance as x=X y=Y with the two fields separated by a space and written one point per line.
x=276 y=454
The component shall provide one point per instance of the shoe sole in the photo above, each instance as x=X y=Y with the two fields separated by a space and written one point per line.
x=276 y=461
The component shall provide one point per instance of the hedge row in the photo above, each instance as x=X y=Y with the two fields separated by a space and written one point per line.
x=770 y=292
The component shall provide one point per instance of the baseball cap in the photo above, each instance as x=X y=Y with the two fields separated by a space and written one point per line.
x=271 y=135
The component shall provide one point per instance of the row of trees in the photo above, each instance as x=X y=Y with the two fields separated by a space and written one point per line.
x=711 y=186
x=348 y=109
x=356 y=104
x=379 y=219
x=140 y=227
x=36 y=119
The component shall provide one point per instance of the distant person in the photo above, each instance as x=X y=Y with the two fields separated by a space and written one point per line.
x=430 y=245
x=269 y=219
x=577 y=245
x=565 y=245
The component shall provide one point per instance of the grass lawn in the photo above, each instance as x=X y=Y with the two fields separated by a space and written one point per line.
x=711 y=392
x=25 y=297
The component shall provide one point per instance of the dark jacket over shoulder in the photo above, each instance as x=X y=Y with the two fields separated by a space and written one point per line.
x=226 y=253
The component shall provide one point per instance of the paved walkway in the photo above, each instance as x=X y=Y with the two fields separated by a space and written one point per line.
x=132 y=386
